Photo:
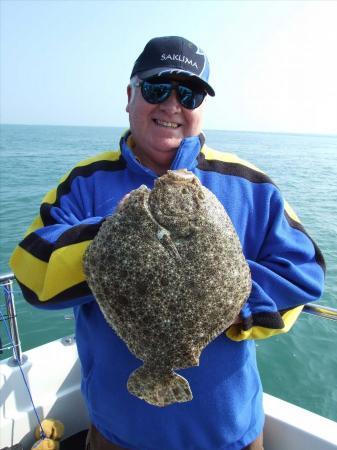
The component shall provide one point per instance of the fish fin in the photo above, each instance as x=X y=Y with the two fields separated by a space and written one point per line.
x=159 y=390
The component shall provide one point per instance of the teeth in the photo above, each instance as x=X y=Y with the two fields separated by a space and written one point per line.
x=167 y=124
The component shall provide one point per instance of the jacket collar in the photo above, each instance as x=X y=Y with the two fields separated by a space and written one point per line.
x=185 y=158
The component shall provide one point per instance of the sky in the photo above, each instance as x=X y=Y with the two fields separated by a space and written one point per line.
x=273 y=63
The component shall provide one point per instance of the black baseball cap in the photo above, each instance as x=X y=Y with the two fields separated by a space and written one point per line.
x=173 y=55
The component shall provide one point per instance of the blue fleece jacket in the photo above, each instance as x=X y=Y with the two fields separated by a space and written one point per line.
x=287 y=269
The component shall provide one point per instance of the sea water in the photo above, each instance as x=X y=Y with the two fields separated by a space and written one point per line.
x=301 y=366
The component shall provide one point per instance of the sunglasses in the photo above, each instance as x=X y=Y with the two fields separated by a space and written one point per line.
x=157 y=92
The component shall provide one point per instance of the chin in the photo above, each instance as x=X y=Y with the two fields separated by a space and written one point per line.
x=168 y=144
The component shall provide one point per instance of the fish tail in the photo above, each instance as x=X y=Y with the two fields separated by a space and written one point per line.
x=159 y=389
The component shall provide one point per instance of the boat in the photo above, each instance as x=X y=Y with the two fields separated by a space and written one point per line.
x=34 y=386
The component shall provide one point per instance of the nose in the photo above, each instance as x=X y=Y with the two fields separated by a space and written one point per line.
x=171 y=104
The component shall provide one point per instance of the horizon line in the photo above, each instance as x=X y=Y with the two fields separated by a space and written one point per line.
x=206 y=129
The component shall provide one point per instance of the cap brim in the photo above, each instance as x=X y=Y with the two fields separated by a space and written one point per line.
x=160 y=72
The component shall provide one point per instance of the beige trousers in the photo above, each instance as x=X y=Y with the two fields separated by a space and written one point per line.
x=96 y=441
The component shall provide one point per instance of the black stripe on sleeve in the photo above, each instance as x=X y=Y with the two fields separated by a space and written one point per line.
x=272 y=320
x=77 y=234
x=45 y=214
x=38 y=247
x=318 y=254
x=235 y=169
x=80 y=171
x=77 y=291
x=42 y=249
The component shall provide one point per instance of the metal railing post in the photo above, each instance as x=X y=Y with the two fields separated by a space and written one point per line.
x=7 y=283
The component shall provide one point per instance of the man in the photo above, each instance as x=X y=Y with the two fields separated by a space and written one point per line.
x=169 y=82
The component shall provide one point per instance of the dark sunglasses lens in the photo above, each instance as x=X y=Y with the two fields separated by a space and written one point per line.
x=190 y=99
x=156 y=92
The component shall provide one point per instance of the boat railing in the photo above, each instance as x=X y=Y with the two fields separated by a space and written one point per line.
x=6 y=282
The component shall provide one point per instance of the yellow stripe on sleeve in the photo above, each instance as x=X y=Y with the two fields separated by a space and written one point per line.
x=212 y=154
x=63 y=271
x=32 y=278
x=291 y=212
x=235 y=332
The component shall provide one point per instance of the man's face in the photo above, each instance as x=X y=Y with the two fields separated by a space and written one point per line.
x=158 y=130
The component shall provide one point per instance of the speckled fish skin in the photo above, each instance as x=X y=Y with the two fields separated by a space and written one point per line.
x=169 y=275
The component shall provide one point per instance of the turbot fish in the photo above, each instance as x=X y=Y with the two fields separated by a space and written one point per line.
x=169 y=275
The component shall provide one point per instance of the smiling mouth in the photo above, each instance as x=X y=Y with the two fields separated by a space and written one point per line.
x=163 y=123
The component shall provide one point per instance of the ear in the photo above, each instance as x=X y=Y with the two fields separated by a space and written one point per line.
x=128 y=91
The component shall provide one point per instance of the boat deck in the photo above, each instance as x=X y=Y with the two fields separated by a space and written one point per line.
x=55 y=389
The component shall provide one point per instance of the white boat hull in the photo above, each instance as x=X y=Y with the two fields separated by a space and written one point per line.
x=53 y=375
